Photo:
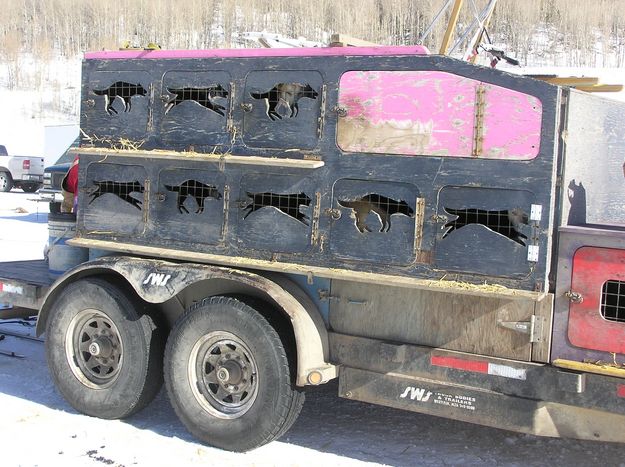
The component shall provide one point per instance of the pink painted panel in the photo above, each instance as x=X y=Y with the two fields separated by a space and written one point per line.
x=512 y=123
x=434 y=113
x=242 y=53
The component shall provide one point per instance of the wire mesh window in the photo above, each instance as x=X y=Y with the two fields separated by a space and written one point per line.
x=381 y=205
x=205 y=96
x=506 y=222
x=613 y=301
x=283 y=99
x=122 y=189
x=122 y=89
x=121 y=92
x=195 y=190
x=287 y=203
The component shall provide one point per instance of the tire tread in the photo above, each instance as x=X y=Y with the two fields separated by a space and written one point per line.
x=290 y=402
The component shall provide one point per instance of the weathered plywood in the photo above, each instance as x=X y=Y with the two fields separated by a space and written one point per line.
x=448 y=321
x=24 y=283
x=436 y=113
x=374 y=220
x=504 y=230
x=282 y=109
x=116 y=105
x=197 y=107
x=114 y=198
x=593 y=183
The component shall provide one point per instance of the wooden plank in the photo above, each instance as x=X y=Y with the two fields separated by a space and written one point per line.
x=33 y=272
x=601 y=88
x=582 y=83
x=590 y=368
x=567 y=80
x=16 y=312
x=222 y=158
x=429 y=318
x=330 y=273
x=343 y=40
x=449 y=32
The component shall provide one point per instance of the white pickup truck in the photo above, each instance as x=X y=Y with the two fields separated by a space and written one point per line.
x=20 y=171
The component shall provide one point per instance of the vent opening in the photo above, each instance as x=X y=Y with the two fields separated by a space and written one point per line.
x=506 y=222
x=122 y=190
x=282 y=99
x=196 y=190
x=289 y=204
x=613 y=301
x=122 y=90
x=203 y=96
x=380 y=205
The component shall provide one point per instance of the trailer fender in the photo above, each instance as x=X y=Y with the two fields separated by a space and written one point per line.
x=157 y=281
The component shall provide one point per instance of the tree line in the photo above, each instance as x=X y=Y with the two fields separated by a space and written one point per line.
x=575 y=29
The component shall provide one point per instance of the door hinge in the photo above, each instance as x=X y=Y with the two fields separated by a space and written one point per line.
x=532 y=253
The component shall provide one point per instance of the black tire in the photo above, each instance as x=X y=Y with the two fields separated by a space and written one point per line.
x=228 y=377
x=6 y=182
x=55 y=207
x=288 y=341
x=105 y=356
x=30 y=187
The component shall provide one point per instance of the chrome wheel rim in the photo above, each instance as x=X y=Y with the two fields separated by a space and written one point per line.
x=223 y=375
x=94 y=349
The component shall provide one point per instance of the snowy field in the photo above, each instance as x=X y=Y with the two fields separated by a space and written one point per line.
x=38 y=428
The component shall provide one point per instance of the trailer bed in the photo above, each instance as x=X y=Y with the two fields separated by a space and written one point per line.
x=23 y=284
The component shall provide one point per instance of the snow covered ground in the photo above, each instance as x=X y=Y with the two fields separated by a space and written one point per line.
x=38 y=428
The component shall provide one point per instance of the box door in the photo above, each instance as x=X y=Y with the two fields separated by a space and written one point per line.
x=195 y=108
x=189 y=206
x=374 y=221
x=282 y=109
x=597 y=317
x=116 y=105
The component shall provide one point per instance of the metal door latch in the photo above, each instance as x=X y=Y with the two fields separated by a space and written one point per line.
x=533 y=327
x=574 y=297
x=324 y=294
x=333 y=213
x=340 y=110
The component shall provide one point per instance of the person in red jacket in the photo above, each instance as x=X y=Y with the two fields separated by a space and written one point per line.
x=69 y=187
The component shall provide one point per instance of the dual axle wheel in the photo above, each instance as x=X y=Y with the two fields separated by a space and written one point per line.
x=225 y=367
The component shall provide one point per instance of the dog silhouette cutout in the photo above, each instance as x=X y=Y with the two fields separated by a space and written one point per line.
x=506 y=222
x=122 y=190
x=289 y=204
x=196 y=190
x=122 y=90
x=381 y=206
x=203 y=96
x=285 y=95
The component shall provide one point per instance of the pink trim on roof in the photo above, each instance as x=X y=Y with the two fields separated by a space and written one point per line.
x=243 y=53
